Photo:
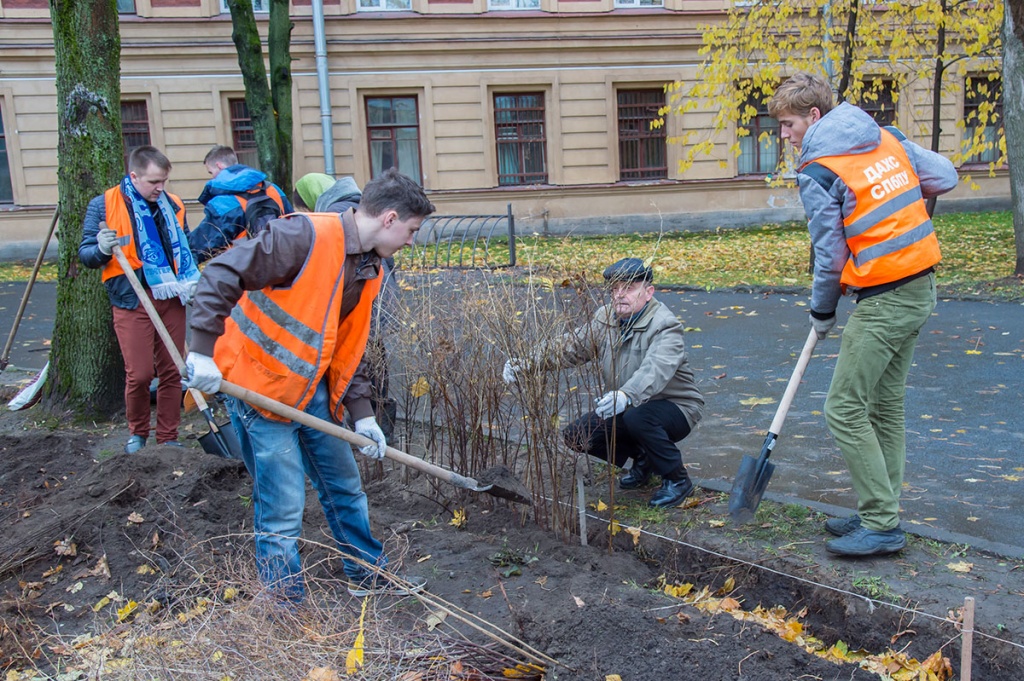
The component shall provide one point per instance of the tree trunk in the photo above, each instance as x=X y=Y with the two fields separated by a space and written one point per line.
x=86 y=372
x=257 y=92
x=1013 y=117
x=940 y=69
x=279 y=45
x=846 y=74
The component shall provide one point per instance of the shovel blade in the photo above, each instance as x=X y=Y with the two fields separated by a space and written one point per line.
x=223 y=442
x=748 y=488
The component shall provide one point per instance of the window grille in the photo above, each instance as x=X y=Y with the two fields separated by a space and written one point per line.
x=243 y=137
x=134 y=126
x=641 y=148
x=759 y=149
x=520 y=136
x=983 y=109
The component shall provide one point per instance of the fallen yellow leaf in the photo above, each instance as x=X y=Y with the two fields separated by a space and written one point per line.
x=960 y=566
x=754 y=401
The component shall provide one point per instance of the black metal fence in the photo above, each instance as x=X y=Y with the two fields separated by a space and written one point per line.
x=465 y=242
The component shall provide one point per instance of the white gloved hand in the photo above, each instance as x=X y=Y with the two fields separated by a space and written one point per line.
x=202 y=373
x=510 y=373
x=367 y=427
x=822 y=326
x=612 y=403
x=106 y=239
x=190 y=291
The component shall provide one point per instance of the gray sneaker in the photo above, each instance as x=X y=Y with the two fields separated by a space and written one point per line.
x=402 y=585
x=841 y=527
x=134 y=444
x=865 y=542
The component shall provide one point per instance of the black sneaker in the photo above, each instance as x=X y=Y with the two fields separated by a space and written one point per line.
x=841 y=527
x=672 y=493
x=401 y=585
x=865 y=542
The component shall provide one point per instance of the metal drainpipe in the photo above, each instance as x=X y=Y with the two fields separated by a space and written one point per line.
x=326 y=124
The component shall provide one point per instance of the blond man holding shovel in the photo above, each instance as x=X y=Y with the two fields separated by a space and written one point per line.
x=287 y=315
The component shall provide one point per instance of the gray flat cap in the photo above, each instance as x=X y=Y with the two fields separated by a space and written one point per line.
x=628 y=270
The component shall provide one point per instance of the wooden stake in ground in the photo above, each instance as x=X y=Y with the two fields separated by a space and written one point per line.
x=968 y=639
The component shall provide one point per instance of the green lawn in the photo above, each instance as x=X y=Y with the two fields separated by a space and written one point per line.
x=978 y=256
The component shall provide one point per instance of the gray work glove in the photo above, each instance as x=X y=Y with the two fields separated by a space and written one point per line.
x=202 y=373
x=106 y=239
x=367 y=427
x=611 y=404
x=513 y=367
x=822 y=326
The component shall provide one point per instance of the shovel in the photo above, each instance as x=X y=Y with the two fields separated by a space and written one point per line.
x=221 y=440
x=754 y=474
x=497 y=481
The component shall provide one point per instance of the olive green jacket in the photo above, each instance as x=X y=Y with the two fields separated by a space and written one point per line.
x=646 y=360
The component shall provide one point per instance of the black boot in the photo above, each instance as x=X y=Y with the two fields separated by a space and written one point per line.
x=638 y=476
x=672 y=492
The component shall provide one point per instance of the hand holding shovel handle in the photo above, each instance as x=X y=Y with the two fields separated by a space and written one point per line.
x=754 y=474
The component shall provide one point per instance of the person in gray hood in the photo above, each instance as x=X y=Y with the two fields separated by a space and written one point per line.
x=652 y=401
x=864 y=188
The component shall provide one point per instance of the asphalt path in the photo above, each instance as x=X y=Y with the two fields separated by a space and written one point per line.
x=965 y=405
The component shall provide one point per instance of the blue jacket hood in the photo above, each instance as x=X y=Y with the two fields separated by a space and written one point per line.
x=235 y=179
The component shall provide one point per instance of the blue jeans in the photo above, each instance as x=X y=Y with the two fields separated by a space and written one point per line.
x=279 y=456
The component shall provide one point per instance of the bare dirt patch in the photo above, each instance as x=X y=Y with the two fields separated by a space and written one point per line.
x=82 y=519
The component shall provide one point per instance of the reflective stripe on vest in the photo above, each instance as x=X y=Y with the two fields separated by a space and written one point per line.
x=889 y=233
x=119 y=219
x=281 y=341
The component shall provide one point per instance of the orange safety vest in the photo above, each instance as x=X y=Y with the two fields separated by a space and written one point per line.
x=243 y=201
x=119 y=219
x=889 y=232
x=281 y=341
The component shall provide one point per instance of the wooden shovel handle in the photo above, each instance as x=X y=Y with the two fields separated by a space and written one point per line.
x=158 y=323
x=794 y=382
x=275 y=407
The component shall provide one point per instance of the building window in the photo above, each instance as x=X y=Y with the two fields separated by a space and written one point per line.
x=759 y=145
x=243 y=137
x=641 y=149
x=639 y=3
x=6 y=187
x=384 y=5
x=519 y=131
x=513 y=4
x=393 y=129
x=879 y=101
x=126 y=6
x=134 y=126
x=258 y=6
x=983 y=112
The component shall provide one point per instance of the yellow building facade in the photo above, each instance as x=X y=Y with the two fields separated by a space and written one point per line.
x=539 y=103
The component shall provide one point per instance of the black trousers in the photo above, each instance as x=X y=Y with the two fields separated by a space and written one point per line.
x=648 y=432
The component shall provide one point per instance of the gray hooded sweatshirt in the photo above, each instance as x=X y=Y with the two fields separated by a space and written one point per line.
x=848 y=130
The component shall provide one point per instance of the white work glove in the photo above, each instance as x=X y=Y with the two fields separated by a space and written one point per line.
x=106 y=239
x=190 y=290
x=822 y=326
x=202 y=373
x=367 y=427
x=510 y=373
x=612 y=403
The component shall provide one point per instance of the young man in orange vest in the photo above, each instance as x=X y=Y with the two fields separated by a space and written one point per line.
x=149 y=224
x=864 y=188
x=288 y=320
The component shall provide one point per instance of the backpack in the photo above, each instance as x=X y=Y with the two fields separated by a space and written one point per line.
x=259 y=210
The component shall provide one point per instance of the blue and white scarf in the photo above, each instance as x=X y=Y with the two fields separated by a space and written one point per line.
x=164 y=281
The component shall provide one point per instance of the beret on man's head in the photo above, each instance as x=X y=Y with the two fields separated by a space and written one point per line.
x=627 y=271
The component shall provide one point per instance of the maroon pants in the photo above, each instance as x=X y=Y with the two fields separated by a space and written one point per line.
x=145 y=357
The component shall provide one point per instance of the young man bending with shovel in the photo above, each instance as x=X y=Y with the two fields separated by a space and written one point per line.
x=304 y=289
x=652 y=401
x=863 y=188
